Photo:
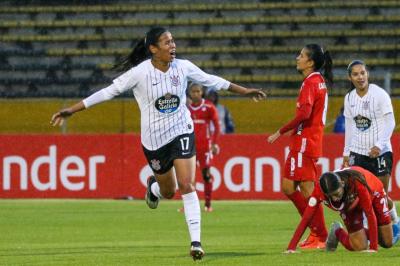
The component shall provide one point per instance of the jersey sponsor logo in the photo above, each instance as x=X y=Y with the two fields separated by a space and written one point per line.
x=362 y=123
x=168 y=103
x=175 y=81
x=155 y=164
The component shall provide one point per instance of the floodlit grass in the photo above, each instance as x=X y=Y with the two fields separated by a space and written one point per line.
x=108 y=232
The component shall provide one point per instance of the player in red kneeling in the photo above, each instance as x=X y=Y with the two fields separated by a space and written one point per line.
x=204 y=113
x=351 y=192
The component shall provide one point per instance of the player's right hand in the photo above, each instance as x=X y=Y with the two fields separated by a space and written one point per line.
x=59 y=117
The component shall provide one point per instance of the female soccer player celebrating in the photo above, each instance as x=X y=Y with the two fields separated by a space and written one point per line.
x=158 y=81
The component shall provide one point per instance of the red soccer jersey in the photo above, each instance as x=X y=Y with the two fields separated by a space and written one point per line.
x=307 y=137
x=202 y=115
x=362 y=199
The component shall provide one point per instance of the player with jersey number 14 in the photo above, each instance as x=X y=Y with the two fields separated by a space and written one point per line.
x=369 y=124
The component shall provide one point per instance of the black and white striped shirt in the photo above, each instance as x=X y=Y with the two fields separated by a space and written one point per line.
x=367 y=120
x=161 y=98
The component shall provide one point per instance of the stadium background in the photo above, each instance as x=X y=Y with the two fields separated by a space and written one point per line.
x=56 y=52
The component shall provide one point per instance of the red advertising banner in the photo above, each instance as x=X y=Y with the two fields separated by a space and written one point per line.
x=113 y=166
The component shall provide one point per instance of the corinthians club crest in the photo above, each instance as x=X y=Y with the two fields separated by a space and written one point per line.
x=175 y=81
x=155 y=164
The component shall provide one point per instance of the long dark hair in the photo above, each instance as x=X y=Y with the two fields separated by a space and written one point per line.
x=141 y=50
x=350 y=68
x=322 y=61
x=347 y=176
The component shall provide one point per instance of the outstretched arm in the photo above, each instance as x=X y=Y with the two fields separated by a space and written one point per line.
x=97 y=97
x=59 y=117
x=256 y=94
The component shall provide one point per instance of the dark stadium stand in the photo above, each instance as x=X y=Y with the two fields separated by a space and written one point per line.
x=68 y=50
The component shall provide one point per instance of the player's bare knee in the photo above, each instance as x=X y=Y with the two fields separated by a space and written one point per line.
x=186 y=188
x=168 y=194
x=287 y=190
x=359 y=246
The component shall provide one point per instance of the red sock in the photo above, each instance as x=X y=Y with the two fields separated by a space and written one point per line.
x=207 y=193
x=317 y=225
x=299 y=201
x=343 y=237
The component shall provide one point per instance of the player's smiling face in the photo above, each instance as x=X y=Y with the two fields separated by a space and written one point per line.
x=165 y=50
x=359 y=76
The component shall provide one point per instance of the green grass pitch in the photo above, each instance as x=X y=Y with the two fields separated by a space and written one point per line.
x=111 y=232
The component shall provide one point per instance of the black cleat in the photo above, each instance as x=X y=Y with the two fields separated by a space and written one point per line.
x=196 y=252
x=151 y=199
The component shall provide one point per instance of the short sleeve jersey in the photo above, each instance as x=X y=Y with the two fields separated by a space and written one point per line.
x=366 y=114
x=203 y=115
x=307 y=138
x=161 y=97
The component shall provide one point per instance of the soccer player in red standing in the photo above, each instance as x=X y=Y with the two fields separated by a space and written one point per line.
x=204 y=113
x=306 y=138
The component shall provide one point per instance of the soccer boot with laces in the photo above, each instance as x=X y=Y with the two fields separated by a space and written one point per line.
x=151 y=199
x=196 y=252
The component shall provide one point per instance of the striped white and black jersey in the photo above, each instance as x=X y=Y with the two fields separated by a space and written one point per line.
x=367 y=120
x=161 y=98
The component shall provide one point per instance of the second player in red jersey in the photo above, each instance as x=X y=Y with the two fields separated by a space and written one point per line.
x=306 y=139
x=204 y=113
x=352 y=192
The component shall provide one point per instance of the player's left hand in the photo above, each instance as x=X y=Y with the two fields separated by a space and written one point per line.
x=256 y=94
x=374 y=152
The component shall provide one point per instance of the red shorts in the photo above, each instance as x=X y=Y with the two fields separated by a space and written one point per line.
x=354 y=218
x=204 y=158
x=299 y=167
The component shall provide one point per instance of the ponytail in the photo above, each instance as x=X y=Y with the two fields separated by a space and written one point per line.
x=137 y=56
x=141 y=50
x=328 y=73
